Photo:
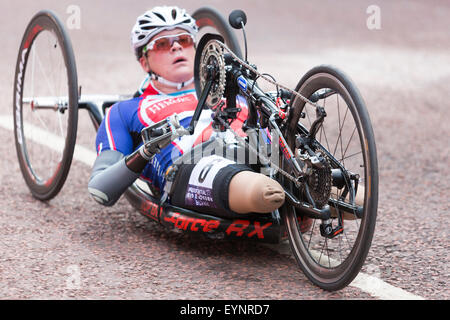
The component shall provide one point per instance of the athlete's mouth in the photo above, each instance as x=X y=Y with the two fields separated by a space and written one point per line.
x=180 y=59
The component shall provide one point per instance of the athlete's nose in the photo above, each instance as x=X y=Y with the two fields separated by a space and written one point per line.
x=175 y=46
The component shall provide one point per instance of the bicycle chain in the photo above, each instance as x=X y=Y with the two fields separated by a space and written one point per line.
x=252 y=149
x=253 y=70
x=238 y=137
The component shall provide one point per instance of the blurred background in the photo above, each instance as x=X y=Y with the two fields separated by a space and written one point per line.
x=396 y=51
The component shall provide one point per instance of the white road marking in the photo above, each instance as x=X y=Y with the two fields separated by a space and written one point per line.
x=365 y=282
x=50 y=140
x=368 y=283
x=380 y=289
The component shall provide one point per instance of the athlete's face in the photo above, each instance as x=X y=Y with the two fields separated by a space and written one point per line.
x=169 y=58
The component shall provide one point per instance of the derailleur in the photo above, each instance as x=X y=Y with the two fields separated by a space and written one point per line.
x=327 y=230
x=317 y=173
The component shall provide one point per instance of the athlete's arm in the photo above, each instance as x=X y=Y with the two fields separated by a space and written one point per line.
x=113 y=173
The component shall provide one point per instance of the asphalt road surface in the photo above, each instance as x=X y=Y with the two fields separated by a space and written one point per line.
x=72 y=248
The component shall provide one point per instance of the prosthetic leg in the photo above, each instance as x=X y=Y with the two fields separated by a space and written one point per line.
x=254 y=192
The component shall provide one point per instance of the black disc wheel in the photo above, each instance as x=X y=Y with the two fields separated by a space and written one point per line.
x=45 y=105
x=332 y=251
x=209 y=20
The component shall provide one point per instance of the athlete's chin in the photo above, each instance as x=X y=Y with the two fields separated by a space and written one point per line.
x=182 y=74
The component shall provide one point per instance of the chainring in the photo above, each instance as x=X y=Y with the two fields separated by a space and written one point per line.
x=210 y=55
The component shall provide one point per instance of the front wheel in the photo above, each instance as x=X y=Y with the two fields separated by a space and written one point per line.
x=346 y=141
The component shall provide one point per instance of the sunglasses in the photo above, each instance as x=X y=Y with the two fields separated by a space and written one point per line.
x=164 y=43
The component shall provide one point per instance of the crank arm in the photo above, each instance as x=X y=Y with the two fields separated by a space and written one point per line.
x=201 y=103
x=307 y=209
x=347 y=207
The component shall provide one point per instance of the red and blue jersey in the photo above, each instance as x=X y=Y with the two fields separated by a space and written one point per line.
x=120 y=129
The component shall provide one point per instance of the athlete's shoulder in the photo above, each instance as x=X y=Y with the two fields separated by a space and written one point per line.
x=127 y=108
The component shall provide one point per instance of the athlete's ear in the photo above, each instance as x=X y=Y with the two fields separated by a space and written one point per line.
x=144 y=63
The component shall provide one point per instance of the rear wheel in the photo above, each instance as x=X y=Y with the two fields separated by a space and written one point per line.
x=45 y=105
x=346 y=140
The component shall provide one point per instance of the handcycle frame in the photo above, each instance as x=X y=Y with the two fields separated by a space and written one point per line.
x=265 y=110
x=263 y=228
x=252 y=226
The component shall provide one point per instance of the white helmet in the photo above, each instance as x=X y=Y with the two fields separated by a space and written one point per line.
x=156 y=20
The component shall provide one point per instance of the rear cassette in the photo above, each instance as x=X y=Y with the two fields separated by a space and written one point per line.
x=319 y=181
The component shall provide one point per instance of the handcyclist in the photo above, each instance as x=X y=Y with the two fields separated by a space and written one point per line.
x=163 y=40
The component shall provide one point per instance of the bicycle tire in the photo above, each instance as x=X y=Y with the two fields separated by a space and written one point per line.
x=335 y=275
x=210 y=17
x=47 y=24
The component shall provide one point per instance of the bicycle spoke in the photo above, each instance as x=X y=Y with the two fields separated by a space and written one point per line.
x=348 y=144
x=46 y=79
x=341 y=126
x=332 y=260
x=307 y=115
x=33 y=67
x=334 y=251
x=338 y=124
x=325 y=135
x=45 y=76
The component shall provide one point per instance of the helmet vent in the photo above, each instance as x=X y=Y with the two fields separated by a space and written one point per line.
x=159 y=16
x=174 y=14
x=147 y=27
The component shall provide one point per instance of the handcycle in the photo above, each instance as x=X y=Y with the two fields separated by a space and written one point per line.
x=320 y=144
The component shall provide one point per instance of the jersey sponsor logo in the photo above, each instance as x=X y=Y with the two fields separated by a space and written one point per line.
x=152 y=110
x=152 y=107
